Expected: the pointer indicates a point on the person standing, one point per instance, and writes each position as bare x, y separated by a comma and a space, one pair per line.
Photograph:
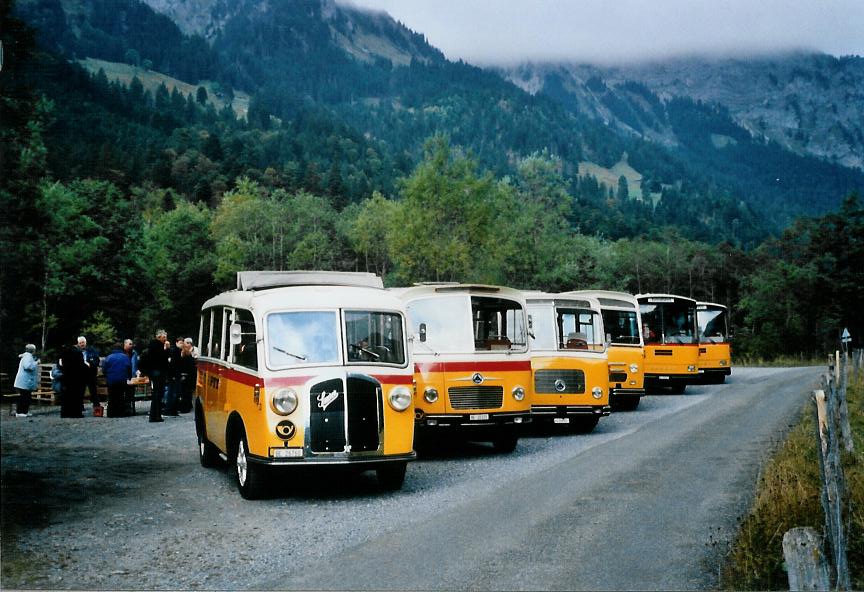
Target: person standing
91, 361
129, 350
188, 375
75, 374
155, 366
174, 380
117, 368
27, 379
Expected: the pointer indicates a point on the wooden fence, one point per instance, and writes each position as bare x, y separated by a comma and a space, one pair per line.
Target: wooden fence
802, 547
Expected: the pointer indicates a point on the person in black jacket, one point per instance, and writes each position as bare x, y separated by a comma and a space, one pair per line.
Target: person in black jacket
188, 376
75, 376
174, 385
155, 366
91, 362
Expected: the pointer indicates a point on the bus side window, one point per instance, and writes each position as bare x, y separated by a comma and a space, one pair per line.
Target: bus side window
246, 352
216, 336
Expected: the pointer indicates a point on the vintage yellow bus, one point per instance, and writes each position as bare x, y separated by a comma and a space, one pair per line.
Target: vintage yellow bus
568, 360
623, 326
472, 367
305, 368
715, 355
671, 344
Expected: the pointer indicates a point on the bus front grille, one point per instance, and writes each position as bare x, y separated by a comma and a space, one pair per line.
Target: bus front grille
476, 397
550, 382
343, 420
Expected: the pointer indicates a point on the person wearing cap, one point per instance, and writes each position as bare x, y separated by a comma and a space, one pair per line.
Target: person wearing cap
27, 379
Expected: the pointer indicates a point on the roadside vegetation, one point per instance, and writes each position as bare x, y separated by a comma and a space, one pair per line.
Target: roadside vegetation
788, 496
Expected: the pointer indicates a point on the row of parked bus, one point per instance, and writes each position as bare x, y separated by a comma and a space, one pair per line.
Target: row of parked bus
301, 368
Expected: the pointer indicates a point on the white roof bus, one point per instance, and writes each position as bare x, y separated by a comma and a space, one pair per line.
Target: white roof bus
715, 352
623, 326
568, 360
305, 368
671, 343
472, 366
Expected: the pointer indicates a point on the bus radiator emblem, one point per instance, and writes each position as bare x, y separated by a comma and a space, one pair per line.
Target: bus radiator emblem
325, 399
560, 385
477, 378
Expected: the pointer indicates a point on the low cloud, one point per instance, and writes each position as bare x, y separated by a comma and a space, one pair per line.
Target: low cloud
511, 31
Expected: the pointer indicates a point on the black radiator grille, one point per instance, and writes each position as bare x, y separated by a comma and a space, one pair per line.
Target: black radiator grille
617, 377
327, 416
571, 382
476, 397
329, 430
364, 411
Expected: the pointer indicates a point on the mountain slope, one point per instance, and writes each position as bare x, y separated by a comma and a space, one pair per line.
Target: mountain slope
809, 104
349, 79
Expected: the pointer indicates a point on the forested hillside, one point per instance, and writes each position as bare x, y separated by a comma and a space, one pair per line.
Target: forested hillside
124, 209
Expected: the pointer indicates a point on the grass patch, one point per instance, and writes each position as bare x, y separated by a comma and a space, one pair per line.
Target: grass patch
788, 496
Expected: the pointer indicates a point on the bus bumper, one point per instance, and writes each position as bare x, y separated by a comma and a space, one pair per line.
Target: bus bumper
563, 413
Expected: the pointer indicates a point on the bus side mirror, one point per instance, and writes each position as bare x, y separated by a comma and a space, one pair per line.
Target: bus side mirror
423, 332
236, 333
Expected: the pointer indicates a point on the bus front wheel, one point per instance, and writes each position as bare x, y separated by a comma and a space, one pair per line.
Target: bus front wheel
249, 476
391, 476
505, 443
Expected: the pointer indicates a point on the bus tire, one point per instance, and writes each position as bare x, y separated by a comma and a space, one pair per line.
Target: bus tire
584, 425
250, 477
208, 455
391, 476
678, 388
505, 443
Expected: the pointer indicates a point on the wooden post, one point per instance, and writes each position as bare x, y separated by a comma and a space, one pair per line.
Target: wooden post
805, 563
832, 482
842, 405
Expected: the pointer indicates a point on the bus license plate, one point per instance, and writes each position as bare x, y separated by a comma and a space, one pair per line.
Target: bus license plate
663, 377
561, 420
479, 416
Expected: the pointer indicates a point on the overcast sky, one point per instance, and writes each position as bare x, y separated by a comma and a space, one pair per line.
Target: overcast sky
508, 31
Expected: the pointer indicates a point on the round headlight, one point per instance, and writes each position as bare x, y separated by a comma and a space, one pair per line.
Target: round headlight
400, 398
430, 394
597, 392
691, 368
518, 393
634, 368
285, 401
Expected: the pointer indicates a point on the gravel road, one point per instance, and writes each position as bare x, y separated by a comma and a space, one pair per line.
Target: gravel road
649, 500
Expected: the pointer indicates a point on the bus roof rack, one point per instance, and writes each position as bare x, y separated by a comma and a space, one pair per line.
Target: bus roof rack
264, 280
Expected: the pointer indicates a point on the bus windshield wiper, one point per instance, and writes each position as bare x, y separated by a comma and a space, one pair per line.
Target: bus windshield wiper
287, 353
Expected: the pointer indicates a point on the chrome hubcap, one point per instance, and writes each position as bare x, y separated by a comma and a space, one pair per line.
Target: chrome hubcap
242, 466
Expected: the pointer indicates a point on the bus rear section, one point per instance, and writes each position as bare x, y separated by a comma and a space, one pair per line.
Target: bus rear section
715, 351
671, 344
472, 368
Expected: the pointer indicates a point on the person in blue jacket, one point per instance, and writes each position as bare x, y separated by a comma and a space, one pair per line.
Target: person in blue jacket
26, 380
117, 368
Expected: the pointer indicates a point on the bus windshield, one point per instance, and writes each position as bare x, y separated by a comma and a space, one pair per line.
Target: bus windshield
457, 323
578, 328
712, 325
302, 337
374, 338
668, 322
621, 326
499, 324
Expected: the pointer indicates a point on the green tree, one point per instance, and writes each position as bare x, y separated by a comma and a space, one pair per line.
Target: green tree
447, 220
178, 249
